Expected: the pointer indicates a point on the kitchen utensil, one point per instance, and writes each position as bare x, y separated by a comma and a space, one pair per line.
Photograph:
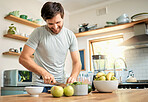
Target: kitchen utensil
30, 19
34, 91
99, 63
110, 23
92, 27
39, 21
57, 83
16, 50
21, 49
11, 49
106, 86
139, 16
83, 27
122, 19
60, 84
23, 16
131, 77
80, 89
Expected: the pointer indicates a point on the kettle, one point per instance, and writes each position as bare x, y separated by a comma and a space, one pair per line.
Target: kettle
123, 19
130, 77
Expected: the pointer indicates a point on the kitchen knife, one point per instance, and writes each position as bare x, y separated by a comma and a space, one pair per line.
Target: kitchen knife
57, 83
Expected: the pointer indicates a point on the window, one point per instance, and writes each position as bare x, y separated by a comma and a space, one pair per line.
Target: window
109, 48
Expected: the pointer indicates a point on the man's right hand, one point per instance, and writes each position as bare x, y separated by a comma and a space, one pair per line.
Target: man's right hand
49, 79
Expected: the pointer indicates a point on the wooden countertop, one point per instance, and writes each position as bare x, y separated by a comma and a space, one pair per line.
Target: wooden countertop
121, 95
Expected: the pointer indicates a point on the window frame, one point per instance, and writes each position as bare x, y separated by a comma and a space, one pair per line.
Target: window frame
99, 40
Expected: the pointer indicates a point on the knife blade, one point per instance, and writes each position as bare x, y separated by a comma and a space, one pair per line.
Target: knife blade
57, 83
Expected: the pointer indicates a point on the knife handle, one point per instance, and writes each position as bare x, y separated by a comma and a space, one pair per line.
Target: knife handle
57, 83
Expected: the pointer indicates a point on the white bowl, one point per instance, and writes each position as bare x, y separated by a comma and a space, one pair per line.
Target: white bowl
80, 89
106, 86
34, 91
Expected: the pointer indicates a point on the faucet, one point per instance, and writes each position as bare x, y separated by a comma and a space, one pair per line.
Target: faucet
125, 69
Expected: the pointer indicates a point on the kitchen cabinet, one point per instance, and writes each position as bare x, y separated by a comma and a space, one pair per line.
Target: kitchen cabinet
127, 95
18, 37
12, 91
111, 28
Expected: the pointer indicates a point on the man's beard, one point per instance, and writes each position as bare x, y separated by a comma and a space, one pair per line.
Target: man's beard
56, 31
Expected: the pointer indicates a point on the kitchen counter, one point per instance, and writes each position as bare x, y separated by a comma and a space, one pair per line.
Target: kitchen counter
121, 95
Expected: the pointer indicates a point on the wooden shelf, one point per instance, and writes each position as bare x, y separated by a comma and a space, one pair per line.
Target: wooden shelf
109, 29
22, 21
14, 36
11, 53
14, 54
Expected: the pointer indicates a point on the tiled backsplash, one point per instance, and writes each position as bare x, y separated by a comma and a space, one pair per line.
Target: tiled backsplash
137, 60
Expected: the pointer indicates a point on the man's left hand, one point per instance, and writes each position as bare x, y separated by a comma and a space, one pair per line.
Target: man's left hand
71, 80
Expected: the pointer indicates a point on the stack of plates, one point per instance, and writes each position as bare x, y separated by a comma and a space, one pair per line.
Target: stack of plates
139, 16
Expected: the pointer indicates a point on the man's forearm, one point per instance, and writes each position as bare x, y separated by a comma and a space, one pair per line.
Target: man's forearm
76, 69
28, 63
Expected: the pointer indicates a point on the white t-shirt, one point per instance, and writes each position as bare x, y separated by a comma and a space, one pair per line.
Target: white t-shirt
51, 50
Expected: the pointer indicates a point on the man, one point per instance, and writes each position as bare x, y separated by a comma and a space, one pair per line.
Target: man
49, 44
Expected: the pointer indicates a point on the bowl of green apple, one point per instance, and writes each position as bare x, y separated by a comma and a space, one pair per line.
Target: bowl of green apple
105, 82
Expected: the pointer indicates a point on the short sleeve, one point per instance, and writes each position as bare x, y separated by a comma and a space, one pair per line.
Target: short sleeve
33, 39
74, 43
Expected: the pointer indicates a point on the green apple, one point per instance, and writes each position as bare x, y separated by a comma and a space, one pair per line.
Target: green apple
68, 91
113, 78
103, 78
99, 74
89, 88
57, 91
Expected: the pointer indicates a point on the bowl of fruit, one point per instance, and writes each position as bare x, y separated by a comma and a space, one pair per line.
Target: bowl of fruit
105, 82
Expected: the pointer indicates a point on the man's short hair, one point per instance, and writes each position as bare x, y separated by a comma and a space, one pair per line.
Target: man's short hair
51, 9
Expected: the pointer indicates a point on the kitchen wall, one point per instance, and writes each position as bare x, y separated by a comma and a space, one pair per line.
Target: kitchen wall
137, 61
135, 57
32, 9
